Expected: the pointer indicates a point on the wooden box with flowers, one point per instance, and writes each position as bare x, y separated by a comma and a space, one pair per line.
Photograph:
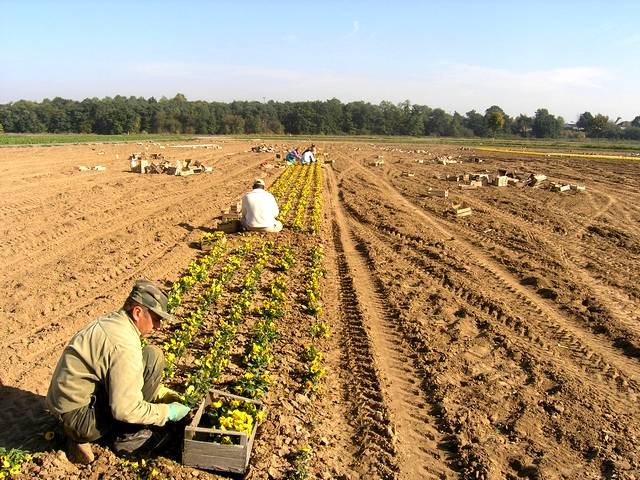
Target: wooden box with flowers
221, 434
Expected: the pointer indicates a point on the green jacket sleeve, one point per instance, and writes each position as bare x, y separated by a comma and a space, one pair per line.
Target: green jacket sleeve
124, 385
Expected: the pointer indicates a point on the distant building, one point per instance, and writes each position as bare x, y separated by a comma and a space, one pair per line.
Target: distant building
571, 126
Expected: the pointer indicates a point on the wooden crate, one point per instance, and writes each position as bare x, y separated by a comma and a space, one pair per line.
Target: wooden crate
207, 244
230, 226
200, 451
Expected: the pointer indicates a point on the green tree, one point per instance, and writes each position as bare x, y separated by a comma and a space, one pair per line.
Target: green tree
495, 119
332, 113
475, 122
545, 125
437, 123
388, 118
585, 122
1, 129
414, 120
6, 118
631, 133
25, 118
274, 126
456, 127
232, 124
522, 125
612, 131
598, 125
495, 122
178, 115
357, 118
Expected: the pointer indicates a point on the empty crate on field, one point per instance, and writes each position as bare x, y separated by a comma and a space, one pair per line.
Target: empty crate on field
156, 163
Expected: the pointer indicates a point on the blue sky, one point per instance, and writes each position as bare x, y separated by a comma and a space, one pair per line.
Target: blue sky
566, 56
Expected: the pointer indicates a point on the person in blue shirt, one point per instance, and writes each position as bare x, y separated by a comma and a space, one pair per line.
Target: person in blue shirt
293, 156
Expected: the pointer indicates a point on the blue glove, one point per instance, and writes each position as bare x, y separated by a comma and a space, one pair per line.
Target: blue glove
177, 411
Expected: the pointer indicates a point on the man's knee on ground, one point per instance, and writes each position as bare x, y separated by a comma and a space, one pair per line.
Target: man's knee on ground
154, 365
153, 358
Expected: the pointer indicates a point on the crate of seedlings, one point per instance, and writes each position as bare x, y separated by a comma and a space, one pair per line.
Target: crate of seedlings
221, 434
208, 240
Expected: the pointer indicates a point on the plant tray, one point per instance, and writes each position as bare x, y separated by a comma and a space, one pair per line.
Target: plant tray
231, 226
201, 451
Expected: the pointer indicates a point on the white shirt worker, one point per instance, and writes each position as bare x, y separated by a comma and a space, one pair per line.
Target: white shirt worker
259, 210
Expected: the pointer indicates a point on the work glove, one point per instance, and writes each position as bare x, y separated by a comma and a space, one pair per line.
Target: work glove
166, 395
177, 411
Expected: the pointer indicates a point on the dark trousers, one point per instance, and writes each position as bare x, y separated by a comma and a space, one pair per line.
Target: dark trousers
93, 421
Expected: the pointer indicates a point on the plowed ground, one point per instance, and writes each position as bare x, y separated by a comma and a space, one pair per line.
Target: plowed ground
505, 344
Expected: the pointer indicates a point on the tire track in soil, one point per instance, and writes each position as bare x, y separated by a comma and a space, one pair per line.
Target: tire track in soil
416, 409
547, 313
587, 359
419, 444
588, 349
374, 434
525, 341
620, 309
438, 368
334, 413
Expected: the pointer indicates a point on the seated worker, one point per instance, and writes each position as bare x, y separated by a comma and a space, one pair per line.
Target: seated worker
293, 156
309, 155
259, 210
106, 382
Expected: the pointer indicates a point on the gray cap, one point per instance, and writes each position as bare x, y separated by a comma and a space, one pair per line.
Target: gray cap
148, 294
258, 181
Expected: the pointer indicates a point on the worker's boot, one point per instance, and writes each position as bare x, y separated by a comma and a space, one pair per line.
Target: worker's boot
132, 441
79, 452
143, 440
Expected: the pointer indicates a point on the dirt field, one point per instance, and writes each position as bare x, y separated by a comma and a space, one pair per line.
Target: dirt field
504, 344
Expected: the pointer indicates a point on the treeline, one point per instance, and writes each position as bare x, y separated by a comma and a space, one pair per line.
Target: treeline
122, 115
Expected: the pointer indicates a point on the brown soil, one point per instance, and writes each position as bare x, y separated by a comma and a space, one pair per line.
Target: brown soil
505, 344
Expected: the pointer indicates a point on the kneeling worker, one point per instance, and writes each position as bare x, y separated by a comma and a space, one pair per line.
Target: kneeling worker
259, 210
106, 382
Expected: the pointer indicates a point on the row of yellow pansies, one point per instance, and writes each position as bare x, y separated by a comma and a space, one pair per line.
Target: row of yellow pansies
254, 382
311, 356
183, 335
316, 212
217, 356
301, 208
198, 270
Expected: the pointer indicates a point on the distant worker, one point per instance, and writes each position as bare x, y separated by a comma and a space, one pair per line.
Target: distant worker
309, 155
259, 210
293, 156
107, 383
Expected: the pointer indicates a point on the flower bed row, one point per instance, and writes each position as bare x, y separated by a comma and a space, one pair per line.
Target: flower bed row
216, 358
316, 212
299, 188
301, 208
183, 335
294, 195
282, 184
198, 271
257, 357
311, 356
11, 461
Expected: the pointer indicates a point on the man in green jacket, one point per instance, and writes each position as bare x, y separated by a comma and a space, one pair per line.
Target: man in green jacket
106, 382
